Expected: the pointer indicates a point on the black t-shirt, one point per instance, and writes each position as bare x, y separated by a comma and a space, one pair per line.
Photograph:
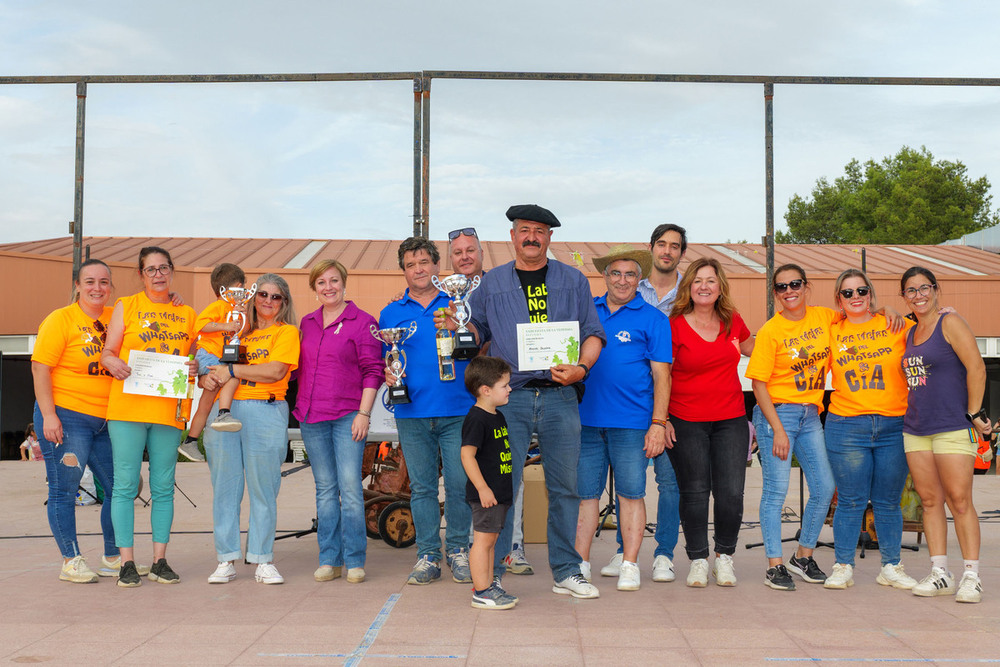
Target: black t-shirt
488, 434
536, 292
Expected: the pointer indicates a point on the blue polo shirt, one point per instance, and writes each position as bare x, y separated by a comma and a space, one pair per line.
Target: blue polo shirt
429, 396
620, 387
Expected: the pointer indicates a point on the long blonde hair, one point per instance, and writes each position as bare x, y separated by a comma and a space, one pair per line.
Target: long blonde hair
724, 306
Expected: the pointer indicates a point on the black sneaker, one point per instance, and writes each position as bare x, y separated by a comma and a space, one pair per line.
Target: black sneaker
778, 578
807, 569
128, 576
162, 573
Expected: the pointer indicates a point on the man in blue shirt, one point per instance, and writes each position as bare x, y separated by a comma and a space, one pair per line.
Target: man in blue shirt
430, 426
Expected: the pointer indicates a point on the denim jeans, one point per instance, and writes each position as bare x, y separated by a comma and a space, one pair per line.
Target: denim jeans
85, 437
619, 448
553, 413
710, 458
335, 458
868, 462
429, 444
668, 518
252, 456
805, 435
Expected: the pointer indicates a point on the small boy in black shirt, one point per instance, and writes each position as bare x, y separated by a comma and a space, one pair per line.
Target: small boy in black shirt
487, 461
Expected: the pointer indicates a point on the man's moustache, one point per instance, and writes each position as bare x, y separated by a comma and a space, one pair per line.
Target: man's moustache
531, 243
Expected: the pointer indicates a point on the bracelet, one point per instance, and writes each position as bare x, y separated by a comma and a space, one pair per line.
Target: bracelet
659, 422
231, 373
366, 413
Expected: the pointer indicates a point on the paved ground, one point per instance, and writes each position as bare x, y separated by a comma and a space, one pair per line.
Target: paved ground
384, 622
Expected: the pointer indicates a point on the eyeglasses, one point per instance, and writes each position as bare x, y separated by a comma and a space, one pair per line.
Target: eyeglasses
923, 290
467, 231
848, 293
796, 285
629, 275
163, 269
273, 297
102, 330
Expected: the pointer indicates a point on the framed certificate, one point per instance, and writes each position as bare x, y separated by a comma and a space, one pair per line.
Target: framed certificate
155, 374
545, 344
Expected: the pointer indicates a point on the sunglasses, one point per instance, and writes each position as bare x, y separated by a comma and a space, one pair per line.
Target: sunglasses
273, 297
467, 231
796, 285
848, 293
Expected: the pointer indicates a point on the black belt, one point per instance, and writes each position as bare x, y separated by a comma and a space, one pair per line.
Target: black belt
541, 384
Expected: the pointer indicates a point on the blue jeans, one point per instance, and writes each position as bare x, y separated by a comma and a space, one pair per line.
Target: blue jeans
622, 449
335, 458
553, 413
252, 455
429, 444
805, 435
868, 461
85, 437
668, 509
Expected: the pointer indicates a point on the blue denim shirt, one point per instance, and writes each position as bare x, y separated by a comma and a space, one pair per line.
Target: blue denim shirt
499, 305
648, 293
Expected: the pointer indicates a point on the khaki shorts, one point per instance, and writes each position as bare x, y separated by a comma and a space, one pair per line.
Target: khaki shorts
949, 442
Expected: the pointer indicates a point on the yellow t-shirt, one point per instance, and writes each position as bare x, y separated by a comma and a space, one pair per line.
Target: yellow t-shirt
151, 327
793, 357
70, 342
217, 312
278, 342
867, 369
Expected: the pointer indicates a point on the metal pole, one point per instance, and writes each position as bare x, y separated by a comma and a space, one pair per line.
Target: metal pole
425, 174
769, 190
81, 111
417, 163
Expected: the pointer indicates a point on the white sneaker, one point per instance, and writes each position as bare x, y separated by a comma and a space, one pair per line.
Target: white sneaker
267, 573
970, 588
938, 582
612, 569
698, 576
223, 574
628, 577
110, 566
585, 569
576, 586
76, 570
663, 569
895, 576
842, 577
723, 570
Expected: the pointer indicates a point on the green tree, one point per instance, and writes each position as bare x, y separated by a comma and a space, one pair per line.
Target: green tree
906, 198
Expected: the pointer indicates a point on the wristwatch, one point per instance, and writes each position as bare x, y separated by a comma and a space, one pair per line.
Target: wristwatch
972, 416
586, 370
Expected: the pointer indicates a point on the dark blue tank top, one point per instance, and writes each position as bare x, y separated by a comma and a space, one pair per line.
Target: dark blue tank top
938, 397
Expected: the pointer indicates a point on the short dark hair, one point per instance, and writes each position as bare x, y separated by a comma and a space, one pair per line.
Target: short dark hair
670, 227
226, 275
789, 267
484, 372
415, 243
917, 271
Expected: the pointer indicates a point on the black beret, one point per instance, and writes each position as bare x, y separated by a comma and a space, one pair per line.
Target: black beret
534, 213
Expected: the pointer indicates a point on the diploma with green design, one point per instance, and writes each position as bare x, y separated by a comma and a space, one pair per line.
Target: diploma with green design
545, 344
156, 374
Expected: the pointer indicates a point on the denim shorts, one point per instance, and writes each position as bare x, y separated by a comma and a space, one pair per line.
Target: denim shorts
488, 519
622, 448
205, 359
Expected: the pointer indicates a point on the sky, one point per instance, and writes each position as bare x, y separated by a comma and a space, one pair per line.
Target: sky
335, 160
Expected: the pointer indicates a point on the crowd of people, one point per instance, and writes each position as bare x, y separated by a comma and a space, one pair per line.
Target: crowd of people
653, 379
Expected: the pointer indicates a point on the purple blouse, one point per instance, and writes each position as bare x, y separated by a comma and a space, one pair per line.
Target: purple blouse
335, 364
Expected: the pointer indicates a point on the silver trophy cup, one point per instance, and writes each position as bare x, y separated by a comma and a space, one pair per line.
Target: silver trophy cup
395, 359
237, 297
458, 288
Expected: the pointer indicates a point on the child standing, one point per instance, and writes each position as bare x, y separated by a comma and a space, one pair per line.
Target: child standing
487, 461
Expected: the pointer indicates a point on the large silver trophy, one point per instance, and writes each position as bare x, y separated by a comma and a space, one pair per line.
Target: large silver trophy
458, 288
238, 298
395, 359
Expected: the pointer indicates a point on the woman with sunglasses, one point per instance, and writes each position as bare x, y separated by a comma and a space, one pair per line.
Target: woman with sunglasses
864, 431
150, 322
254, 454
947, 379
71, 404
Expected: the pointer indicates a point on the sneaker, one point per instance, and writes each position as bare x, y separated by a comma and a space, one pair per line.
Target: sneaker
628, 578
576, 586
226, 422
585, 570
327, 572
807, 569
223, 574
841, 578
938, 582
355, 575
723, 570
424, 572
777, 577
895, 576
267, 573
128, 576
516, 563
970, 588
663, 569
698, 576
613, 569
190, 451
458, 561
496, 584
161, 572
110, 567
492, 598
75, 570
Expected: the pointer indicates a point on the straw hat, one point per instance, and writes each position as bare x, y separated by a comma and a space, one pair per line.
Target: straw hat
626, 251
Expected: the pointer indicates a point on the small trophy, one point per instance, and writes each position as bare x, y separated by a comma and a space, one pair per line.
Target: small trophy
235, 297
395, 359
458, 287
